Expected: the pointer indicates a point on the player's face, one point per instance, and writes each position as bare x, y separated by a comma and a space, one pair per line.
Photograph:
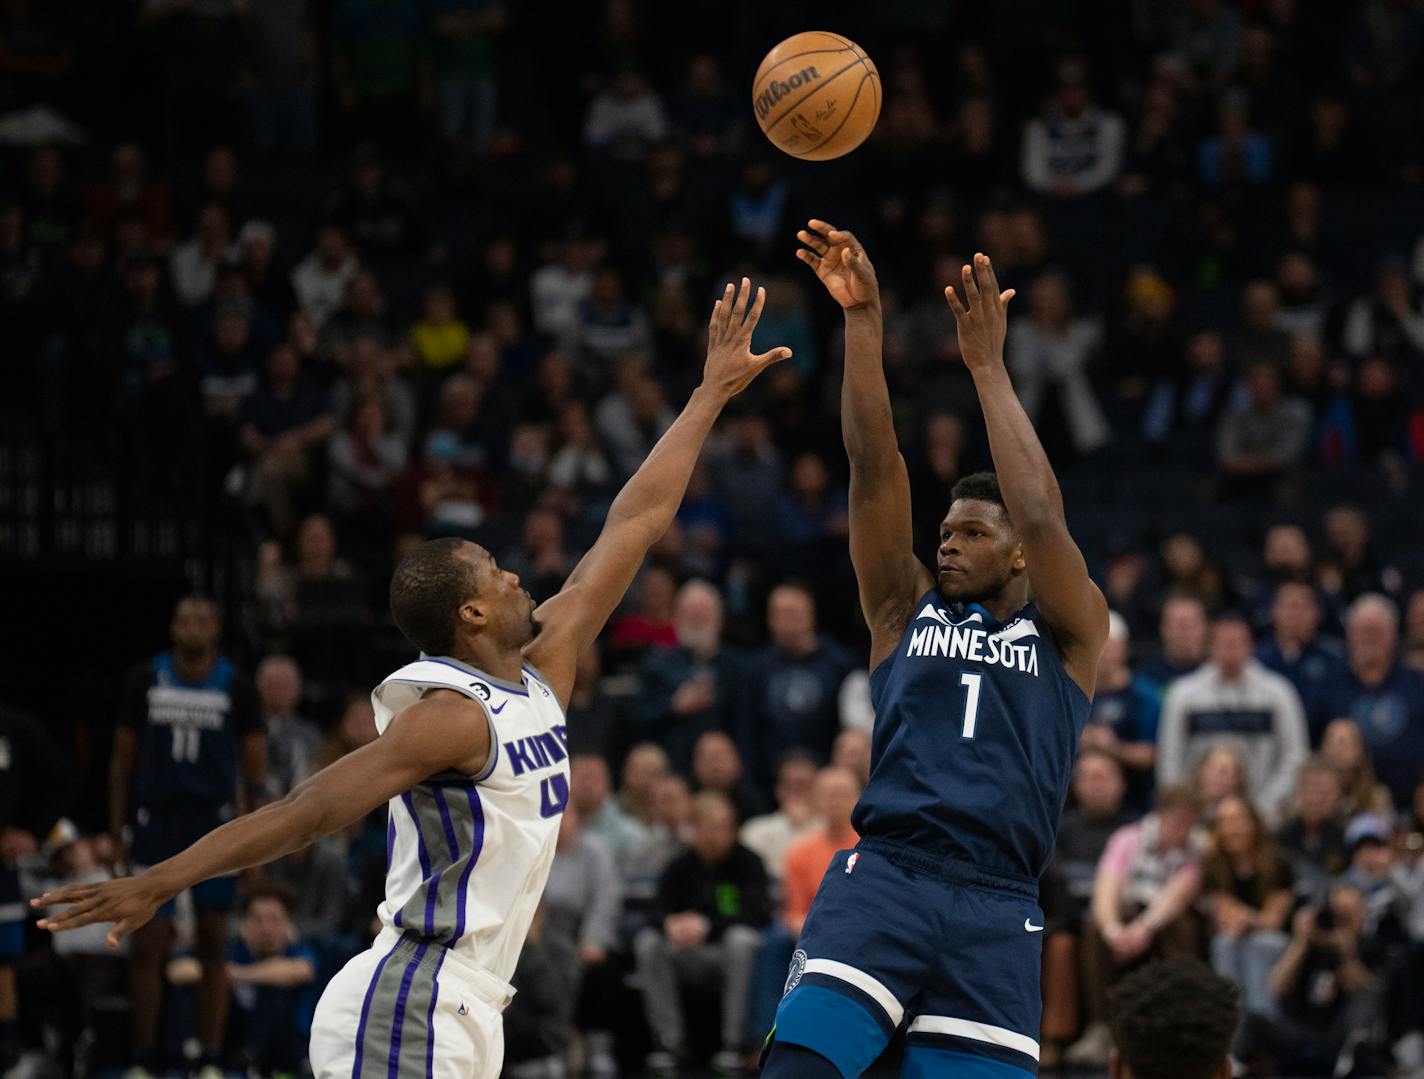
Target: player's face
979, 552
509, 606
195, 626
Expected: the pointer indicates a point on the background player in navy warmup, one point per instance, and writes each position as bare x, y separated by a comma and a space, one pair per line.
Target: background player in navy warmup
980, 697
189, 721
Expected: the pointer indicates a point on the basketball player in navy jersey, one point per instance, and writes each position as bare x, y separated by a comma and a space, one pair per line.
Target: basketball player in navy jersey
980, 697
472, 760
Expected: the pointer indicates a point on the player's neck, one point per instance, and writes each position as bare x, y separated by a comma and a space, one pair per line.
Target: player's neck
193, 666
496, 662
1005, 604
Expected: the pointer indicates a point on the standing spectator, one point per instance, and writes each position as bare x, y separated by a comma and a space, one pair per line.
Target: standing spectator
1183, 635
1235, 695
771, 834
1123, 719
320, 279
1075, 148
790, 688
688, 689
34, 782
292, 740
1248, 884
713, 901
1263, 439
1295, 647
1343, 746
1145, 885
601, 817
1314, 835
717, 767
188, 728
1384, 698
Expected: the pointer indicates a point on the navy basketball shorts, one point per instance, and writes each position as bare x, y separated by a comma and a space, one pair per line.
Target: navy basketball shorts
160, 834
13, 916
896, 936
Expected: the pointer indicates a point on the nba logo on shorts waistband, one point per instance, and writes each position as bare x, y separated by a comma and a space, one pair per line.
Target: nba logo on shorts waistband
850, 862
463, 1010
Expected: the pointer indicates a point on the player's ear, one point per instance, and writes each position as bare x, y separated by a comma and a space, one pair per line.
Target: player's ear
1019, 563
473, 614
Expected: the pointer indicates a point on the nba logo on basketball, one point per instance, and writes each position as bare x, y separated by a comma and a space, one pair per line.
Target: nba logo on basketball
850, 862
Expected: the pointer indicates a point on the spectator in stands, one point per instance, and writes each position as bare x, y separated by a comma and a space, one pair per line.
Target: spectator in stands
292, 740
228, 363
1185, 407
1343, 746
691, 688
650, 623
717, 766
539, 1020
1235, 695
1412, 649
189, 753
1096, 812
320, 279
542, 561
1123, 719
747, 476
375, 209
1145, 885
601, 817
643, 768
608, 325
714, 901
789, 691
634, 416
582, 471
852, 752
1384, 698
769, 835
668, 834
1349, 566
282, 424
1389, 323
558, 288
625, 117
1183, 635
1076, 147
439, 339
366, 459
1295, 648
194, 263
1248, 886
1263, 439
1221, 774
1314, 835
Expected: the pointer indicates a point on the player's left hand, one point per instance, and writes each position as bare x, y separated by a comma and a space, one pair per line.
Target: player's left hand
731, 366
129, 903
981, 314
840, 262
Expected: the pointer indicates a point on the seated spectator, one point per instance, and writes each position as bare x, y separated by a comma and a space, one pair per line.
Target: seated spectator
320, 279
770, 835
1185, 407
194, 263
441, 495
367, 458
747, 479
374, 207
1075, 148
691, 688
625, 117
557, 288
1123, 720
362, 314
669, 832
600, 815
1234, 695
1262, 439
582, 472
852, 752
1173, 1020
1221, 774
632, 418
1327, 998
355, 728
1413, 647
315, 880
1146, 883
539, 1020
644, 766
714, 902
228, 361
439, 339
810, 510
317, 567
1384, 698
1096, 813
1389, 323
592, 712
541, 562
608, 325
268, 282
649, 624
1183, 633
371, 370
281, 424
1343, 747
1314, 835
292, 740
789, 692
271, 974
1248, 887
718, 767
1295, 647
1286, 556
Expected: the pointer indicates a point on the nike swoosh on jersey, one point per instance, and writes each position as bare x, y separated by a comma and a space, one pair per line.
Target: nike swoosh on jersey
500, 709
1029, 927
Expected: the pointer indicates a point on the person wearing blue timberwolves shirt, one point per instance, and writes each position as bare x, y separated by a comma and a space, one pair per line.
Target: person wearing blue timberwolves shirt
980, 697
1295, 647
190, 753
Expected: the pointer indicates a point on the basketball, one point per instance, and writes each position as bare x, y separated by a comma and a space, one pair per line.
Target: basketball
816, 95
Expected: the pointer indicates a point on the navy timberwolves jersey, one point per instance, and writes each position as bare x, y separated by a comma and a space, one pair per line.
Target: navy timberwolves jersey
187, 733
976, 729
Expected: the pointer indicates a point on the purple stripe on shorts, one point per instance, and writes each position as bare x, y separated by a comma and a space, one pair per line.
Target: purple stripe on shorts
430, 1017
399, 1020
366, 1011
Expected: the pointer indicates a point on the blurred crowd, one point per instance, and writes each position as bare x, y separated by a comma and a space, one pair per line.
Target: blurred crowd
311, 280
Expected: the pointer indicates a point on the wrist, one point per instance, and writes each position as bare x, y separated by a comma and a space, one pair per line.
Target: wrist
870, 308
708, 395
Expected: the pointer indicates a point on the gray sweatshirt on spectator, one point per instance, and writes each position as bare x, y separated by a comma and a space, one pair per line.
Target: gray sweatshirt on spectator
584, 895
1261, 712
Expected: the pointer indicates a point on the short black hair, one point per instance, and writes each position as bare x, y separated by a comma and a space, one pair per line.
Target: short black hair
1175, 1019
276, 892
979, 487
426, 592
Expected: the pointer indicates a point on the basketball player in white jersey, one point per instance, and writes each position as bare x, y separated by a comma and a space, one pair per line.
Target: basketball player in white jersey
473, 762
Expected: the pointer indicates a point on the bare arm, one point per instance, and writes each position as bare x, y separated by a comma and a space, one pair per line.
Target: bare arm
1071, 603
280, 972
891, 578
1107, 902
443, 730
120, 780
648, 502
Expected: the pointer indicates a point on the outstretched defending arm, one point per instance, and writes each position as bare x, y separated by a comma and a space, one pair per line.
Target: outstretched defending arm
645, 507
1071, 603
891, 578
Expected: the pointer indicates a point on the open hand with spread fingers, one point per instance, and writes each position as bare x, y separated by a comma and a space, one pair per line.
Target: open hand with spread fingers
840, 262
730, 364
128, 902
981, 314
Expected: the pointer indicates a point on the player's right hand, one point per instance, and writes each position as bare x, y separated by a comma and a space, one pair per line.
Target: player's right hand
129, 903
731, 365
840, 262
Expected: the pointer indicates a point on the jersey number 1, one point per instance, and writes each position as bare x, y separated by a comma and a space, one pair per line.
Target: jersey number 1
971, 682
186, 741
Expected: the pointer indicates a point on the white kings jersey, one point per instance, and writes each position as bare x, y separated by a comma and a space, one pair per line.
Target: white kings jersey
467, 856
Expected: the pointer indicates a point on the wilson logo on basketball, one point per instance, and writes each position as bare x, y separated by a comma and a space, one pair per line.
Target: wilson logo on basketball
779, 88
